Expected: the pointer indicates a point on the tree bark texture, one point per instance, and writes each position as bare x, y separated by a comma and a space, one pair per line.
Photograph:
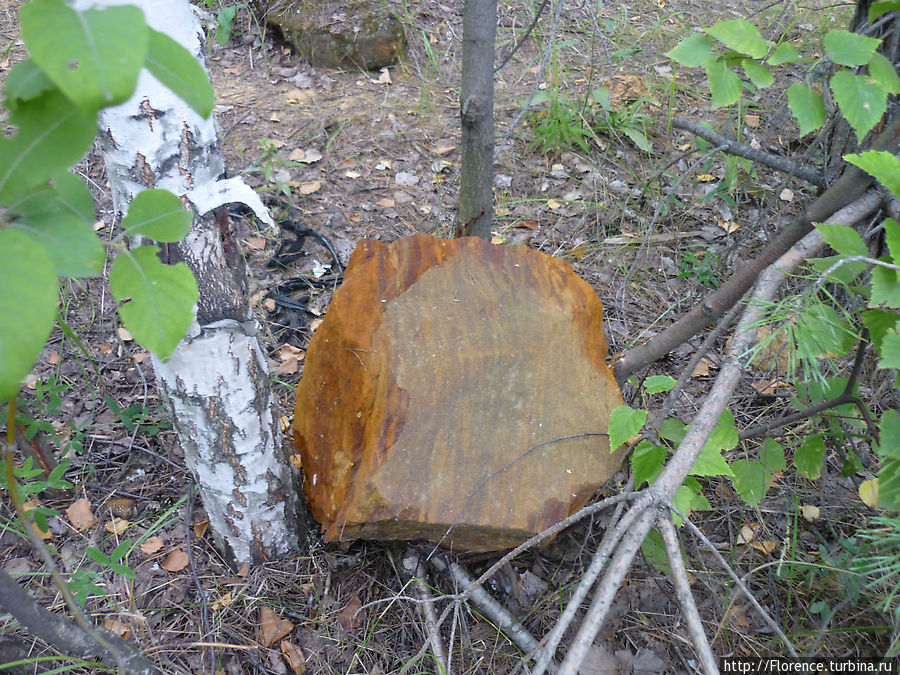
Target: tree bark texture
64, 634
216, 384
475, 208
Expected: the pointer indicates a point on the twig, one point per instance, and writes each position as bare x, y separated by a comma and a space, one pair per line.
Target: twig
733, 147
738, 582
412, 563
521, 40
684, 595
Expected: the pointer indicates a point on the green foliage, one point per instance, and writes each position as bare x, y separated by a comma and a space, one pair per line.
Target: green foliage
81, 62
112, 561
624, 423
561, 125
139, 419
701, 266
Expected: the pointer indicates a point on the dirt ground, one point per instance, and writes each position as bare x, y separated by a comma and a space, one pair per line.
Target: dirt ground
374, 155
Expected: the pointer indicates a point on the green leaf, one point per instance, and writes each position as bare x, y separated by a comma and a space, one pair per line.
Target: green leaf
878, 322
689, 498
843, 239
889, 435
157, 214
741, 36
656, 384
177, 69
694, 51
673, 430
225, 23
862, 101
27, 305
844, 274
94, 56
784, 53
751, 480
884, 166
64, 193
97, 556
724, 84
25, 82
885, 288
52, 136
624, 423
890, 349
892, 238
809, 458
122, 570
821, 332
162, 297
876, 9
808, 107
724, 437
758, 74
849, 49
646, 463
771, 455
120, 550
638, 138
654, 551
885, 75
71, 242
602, 96
889, 485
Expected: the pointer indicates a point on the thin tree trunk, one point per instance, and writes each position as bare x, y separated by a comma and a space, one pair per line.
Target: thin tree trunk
216, 384
475, 209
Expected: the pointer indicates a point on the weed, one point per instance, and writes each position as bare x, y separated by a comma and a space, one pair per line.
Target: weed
271, 165
702, 267
560, 125
140, 419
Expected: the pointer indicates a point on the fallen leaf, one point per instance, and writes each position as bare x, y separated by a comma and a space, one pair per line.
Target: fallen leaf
118, 627
30, 505
445, 149
810, 512
296, 461
310, 156
386, 202
769, 387
80, 515
141, 357
223, 601
868, 492
553, 204
352, 616
406, 179
269, 304
289, 366
706, 178
272, 627
243, 570
123, 507
702, 368
496, 239
352, 174
200, 528
285, 423
117, 525
786, 195
152, 545
124, 334
310, 187
527, 224
730, 226
287, 351
294, 657
766, 546
746, 535
751, 120
105, 348
53, 358
315, 323
297, 155
256, 243
384, 78
176, 561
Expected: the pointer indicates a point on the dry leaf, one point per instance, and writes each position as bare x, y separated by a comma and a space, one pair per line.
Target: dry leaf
810, 512
118, 627
751, 120
702, 368
776, 354
117, 525
496, 239
289, 366
297, 155
766, 546
243, 570
706, 178
769, 387
730, 226
105, 348
527, 224
271, 627
315, 323
309, 156
294, 657
296, 461
80, 515
123, 507
269, 304
285, 423
200, 528
352, 616
287, 351
445, 149
384, 78
141, 357
223, 601
256, 243
868, 492
384, 165
152, 545
175, 561
385, 202
352, 174
124, 334
310, 187
30, 505
747, 535
53, 358
553, 204
786, 195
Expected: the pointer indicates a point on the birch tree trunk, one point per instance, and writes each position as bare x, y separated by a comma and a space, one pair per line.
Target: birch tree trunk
216, 384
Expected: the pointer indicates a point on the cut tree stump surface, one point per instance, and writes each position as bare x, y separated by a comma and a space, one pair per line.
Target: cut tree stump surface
436, 387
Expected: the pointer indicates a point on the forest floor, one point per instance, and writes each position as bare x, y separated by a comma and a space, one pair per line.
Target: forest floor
374, 155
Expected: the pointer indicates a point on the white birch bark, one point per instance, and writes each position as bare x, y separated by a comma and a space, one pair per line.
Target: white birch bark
216, 384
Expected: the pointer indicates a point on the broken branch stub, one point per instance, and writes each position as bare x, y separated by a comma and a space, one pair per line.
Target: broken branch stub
455, 384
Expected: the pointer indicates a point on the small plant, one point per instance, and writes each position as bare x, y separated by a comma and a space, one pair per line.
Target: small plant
139, 418
627, 120
272, 166
702, 267
561, 125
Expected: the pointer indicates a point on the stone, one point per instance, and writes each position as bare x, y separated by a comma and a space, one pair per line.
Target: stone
353, 34
457, 391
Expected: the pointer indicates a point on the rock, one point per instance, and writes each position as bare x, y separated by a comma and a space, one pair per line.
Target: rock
355, 34
449, 387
